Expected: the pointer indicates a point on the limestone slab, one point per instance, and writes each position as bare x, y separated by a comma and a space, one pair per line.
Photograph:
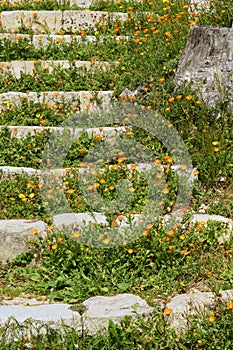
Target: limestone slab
101, 309
21, 131
29, 67
74, 21
79, 219
38, 21
79, 99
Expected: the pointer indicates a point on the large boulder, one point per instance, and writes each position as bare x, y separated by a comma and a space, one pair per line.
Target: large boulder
207, 63
14, 235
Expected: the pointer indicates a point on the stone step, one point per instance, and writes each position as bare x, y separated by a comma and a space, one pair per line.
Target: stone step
82, 99
21, 131
29, 67
55, 21
140, 167
14, 233
78, 3
92, 315
44, 40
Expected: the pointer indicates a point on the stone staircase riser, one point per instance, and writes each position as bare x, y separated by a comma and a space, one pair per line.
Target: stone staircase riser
29, 67
54, 21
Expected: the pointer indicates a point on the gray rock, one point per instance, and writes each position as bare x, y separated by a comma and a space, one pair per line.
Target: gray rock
15, 233
183, 306
207, 62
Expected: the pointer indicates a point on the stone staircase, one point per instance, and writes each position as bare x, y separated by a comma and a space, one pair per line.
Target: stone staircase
45, 27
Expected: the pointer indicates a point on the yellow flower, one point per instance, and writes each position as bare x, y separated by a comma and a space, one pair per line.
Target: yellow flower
121, 160
35, 232
106, 241
168, 34
130, 251
215, 143
211, 318
132, 189
76, 235
230, 305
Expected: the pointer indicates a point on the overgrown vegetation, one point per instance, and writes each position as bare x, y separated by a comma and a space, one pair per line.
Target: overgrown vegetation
159, 262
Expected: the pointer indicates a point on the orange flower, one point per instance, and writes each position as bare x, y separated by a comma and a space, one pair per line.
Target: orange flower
171, 233
171, 99
149, 226
161, 80
145, 233
189, 97
168, 311
230, 305
120, 218
165, 190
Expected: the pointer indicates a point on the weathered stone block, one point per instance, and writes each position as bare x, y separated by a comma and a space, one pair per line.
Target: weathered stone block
207, 62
